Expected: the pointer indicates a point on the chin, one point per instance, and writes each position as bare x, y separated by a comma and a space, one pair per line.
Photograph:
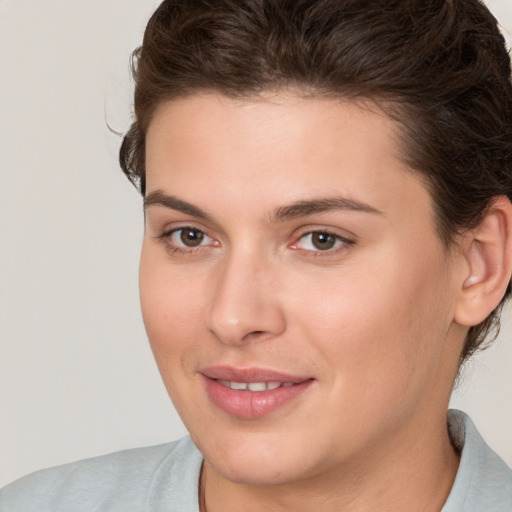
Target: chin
256, 473
256, 458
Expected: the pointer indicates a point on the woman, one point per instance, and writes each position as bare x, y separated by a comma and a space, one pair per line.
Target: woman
328, 237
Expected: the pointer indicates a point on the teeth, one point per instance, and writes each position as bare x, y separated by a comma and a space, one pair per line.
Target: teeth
257, 386
254, 386
239, 385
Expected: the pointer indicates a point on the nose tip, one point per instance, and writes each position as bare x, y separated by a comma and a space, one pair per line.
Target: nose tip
243, 307
233, 331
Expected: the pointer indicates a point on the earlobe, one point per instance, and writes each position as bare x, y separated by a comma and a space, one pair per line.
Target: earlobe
488, 254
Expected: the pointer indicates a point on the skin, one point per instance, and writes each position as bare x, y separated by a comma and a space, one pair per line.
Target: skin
371, 320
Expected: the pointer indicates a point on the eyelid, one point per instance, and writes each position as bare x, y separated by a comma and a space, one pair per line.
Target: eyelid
166, 235
158, 218
343, 240
346, 240
171, 227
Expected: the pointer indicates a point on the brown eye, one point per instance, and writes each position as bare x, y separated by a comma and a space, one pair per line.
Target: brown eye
191, 237
323, 241
187, 240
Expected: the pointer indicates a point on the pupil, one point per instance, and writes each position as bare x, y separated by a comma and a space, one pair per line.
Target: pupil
323, 241
191, 237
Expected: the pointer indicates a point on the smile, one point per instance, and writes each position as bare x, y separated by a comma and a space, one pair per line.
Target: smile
253, 393
254, 386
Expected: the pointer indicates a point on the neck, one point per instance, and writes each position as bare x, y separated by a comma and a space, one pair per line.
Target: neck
409, 472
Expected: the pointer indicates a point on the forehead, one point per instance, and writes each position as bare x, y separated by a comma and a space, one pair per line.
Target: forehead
280, 147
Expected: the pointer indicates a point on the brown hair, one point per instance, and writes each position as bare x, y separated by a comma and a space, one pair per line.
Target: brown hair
439, 67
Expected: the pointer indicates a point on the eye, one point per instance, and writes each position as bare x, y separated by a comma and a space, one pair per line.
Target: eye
186, 238
320, 241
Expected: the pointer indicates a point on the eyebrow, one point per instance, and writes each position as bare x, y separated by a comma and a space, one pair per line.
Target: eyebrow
280, 214
310, 207
159, 198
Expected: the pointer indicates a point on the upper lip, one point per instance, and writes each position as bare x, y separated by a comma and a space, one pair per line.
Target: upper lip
252, 374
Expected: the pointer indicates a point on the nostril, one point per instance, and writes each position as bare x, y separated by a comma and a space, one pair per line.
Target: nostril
254, 334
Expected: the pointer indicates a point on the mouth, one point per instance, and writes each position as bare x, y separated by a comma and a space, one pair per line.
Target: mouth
255, 386
252, 393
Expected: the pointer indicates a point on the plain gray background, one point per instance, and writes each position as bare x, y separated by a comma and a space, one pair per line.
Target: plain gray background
77, 377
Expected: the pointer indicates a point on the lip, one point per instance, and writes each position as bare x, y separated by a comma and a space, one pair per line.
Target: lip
251, 404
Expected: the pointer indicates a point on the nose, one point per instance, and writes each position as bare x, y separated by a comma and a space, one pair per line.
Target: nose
244, 304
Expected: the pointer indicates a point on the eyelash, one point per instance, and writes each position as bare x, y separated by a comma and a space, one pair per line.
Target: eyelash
341, 242
166, 239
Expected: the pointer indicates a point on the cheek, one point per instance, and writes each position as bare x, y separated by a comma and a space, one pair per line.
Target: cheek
172, 306
384, 324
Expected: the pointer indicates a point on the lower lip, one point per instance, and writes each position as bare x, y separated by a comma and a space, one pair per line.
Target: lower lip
252, 404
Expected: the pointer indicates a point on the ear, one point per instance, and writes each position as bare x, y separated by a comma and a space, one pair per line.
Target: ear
488, 253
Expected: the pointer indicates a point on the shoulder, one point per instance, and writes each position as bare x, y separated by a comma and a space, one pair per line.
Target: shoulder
483, 481
124, 481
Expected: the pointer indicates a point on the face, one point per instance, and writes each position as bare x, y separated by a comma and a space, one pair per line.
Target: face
297, 299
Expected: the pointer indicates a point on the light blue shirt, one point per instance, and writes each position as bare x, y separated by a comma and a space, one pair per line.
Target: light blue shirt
165, 478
